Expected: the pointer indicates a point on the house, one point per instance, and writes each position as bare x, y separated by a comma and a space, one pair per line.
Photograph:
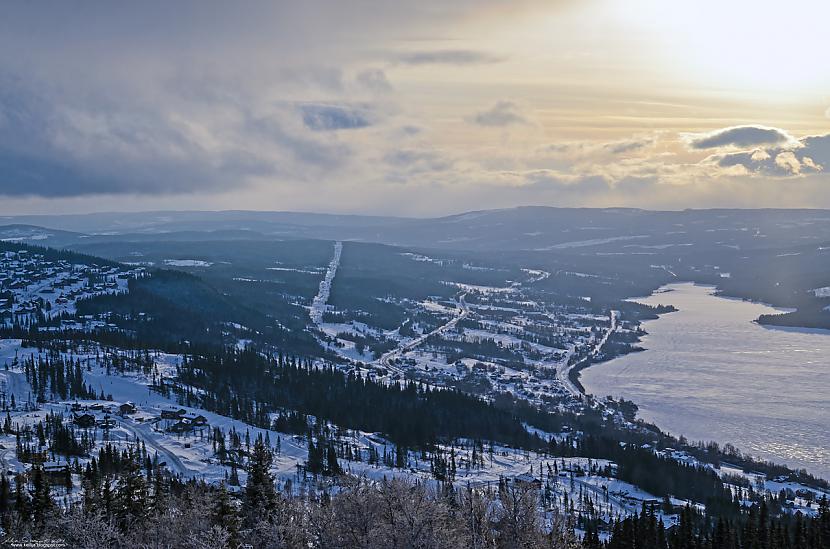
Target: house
197, 420
526, 479
180, 427
126, 408
56, 470
188, 421
84, 420
172, 412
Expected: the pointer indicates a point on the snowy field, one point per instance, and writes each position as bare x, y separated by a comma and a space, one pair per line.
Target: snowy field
191, 454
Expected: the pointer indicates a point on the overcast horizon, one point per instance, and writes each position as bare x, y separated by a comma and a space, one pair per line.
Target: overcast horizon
418, 110
8, 217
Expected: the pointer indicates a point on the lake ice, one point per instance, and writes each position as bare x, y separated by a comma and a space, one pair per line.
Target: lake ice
710, 373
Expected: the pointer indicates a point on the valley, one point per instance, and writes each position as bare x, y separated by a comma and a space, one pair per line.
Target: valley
367, 360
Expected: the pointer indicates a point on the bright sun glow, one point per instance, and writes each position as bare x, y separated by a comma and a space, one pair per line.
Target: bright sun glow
754, 45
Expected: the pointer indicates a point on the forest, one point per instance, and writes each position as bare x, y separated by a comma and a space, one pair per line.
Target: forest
128, 501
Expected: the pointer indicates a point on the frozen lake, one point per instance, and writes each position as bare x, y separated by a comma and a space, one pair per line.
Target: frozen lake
710, 373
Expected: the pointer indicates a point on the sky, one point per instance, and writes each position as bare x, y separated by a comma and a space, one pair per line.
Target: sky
413, 108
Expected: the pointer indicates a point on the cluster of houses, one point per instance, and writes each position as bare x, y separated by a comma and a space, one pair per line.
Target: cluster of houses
95, 415
180, 420
31, 284
171, 418
100, 415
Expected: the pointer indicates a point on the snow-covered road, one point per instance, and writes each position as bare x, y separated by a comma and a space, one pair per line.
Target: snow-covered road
387, 359
563, 375
318, 305
174, 462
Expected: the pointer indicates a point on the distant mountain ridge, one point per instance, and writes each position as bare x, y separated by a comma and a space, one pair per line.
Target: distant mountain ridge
528, 228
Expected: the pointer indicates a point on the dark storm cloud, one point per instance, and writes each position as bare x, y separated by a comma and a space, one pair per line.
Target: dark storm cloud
739, 136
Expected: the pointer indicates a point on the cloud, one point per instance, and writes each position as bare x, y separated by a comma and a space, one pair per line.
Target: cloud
587, 148
817, 148
552, 180
58, 145
144, 101
334, 117
374, 80
738, 136
304, 151
808, 155
629, 145
195, 136
409, 162
275, 106
503, 113
447, 57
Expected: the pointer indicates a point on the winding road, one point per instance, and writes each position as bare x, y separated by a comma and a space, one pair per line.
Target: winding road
387, 359
563, 374
173, 461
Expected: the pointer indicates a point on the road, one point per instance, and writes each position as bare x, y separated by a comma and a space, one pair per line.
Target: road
669, 271
318, 305
4, 462
387, 359
563, 374
145, 432
618, 501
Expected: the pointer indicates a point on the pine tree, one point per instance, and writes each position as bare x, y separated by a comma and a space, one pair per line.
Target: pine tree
4, 495
107, 497
260, 494
22, 503
42, 502
90, 498
401, 454
67, 479
225, 515
314, 461
332, 465
160, 489
131, 494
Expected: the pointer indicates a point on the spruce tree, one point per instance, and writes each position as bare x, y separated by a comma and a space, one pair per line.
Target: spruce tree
107, 497
332, 465
42, 502
260, 494
131, 494
22, 503
225, 515
160, 489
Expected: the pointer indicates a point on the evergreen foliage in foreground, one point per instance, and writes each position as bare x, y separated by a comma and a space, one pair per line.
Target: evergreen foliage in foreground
129, 504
